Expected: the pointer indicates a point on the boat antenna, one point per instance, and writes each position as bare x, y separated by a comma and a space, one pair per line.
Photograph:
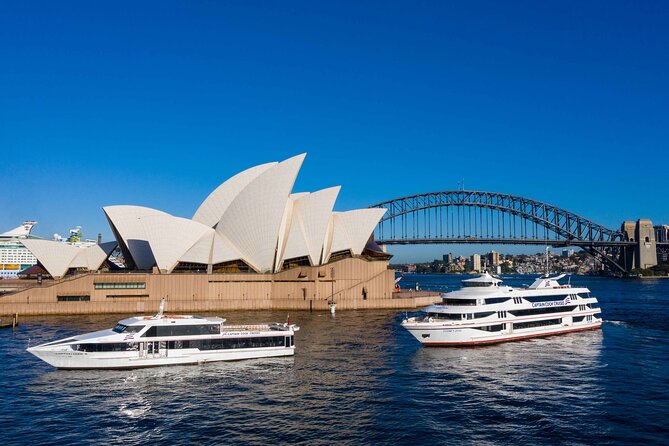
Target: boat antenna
161, 308
547, 251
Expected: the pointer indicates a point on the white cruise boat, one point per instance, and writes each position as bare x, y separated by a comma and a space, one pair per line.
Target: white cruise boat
147, 341
485, 311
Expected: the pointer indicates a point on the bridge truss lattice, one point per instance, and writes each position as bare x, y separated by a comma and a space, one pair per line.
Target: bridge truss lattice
495, 218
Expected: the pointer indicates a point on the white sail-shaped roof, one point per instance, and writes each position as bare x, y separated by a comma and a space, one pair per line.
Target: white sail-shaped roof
310, 217
286, 225
253, 221
214, 206
211, 249
56, 257
126, 224
351, 229
284, 230
171, 237
200, 252
224, 250
92, 257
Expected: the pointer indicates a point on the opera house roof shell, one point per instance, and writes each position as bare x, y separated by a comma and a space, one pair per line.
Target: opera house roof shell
253, 219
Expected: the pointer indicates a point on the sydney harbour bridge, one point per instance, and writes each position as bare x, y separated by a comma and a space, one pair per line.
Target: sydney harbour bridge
463, 217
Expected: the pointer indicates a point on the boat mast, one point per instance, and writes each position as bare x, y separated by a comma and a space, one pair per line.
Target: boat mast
161, 309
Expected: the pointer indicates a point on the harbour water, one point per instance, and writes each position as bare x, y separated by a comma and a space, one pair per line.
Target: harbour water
359, 378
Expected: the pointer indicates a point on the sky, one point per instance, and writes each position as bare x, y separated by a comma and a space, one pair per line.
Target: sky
157, 103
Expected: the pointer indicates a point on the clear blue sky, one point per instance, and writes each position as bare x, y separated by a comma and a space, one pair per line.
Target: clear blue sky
157, 103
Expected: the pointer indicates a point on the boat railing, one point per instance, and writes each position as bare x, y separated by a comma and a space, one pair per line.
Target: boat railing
252, 327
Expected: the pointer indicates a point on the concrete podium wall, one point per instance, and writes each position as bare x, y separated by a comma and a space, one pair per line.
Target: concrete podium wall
356, 283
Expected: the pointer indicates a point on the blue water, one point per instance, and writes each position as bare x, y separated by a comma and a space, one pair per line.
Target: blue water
359, 378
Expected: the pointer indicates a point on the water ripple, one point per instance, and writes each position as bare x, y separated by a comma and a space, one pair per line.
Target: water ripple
361, 379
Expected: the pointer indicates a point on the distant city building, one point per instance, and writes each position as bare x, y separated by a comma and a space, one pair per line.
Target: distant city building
448, 258
475, 260
493, 258
455, 268
567, 252
411, 268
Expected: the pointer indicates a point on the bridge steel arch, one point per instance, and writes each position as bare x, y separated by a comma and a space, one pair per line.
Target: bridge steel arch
460, 216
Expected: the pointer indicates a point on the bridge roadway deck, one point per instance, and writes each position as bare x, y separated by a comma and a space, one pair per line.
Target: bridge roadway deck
506, 241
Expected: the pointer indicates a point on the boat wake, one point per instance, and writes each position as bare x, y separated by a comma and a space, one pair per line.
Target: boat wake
619, 323
133, 413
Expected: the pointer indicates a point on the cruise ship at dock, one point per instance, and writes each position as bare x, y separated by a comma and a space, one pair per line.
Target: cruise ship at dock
485, 311
14, 256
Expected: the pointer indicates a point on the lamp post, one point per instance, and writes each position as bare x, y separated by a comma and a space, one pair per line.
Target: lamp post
332, 304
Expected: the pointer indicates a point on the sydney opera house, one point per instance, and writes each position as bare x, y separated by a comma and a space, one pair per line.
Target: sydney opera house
253, 243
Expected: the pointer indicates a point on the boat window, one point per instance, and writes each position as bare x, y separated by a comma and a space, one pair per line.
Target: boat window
120, 328
182, 330
229, 343
496, 300
459, 302
455, 317
476, 284
543, 310
521, 325
483, 314
105, 347
496, 327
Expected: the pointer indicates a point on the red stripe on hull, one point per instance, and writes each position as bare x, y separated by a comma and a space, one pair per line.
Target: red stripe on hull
513, 338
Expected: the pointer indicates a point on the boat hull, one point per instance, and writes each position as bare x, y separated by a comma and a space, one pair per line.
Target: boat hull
465, 337
65, 358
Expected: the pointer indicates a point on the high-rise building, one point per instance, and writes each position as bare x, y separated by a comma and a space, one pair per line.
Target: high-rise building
493, 258
475, 260
567, 252
448, 258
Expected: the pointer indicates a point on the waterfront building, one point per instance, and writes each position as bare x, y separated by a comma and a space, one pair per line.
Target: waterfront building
448, 258
252, 243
